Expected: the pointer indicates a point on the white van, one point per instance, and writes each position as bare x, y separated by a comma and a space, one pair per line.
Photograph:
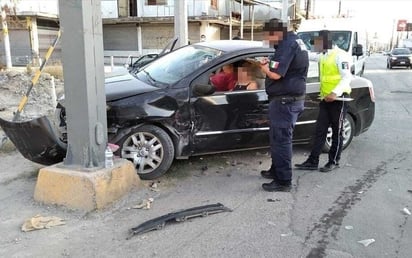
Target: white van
345, 33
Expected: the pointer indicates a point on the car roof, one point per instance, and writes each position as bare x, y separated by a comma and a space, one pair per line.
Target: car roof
231, 45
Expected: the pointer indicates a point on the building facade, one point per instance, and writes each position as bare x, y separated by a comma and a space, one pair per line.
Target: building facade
136, 27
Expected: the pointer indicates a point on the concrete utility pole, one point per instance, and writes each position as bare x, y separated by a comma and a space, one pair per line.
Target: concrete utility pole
6, 38
82, 181
85, 98
181, 26
285, 8
34, 40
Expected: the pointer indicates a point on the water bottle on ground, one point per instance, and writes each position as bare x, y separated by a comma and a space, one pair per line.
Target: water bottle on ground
108, 158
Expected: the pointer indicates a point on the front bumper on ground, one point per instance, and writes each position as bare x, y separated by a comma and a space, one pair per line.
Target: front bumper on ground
35, 140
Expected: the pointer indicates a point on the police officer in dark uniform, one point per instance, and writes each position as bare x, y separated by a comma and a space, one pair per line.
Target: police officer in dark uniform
286, 73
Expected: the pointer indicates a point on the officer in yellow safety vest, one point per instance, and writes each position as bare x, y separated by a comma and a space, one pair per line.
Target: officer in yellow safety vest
335, 77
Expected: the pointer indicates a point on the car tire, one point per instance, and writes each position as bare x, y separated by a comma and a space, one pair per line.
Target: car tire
150, 149
348, 133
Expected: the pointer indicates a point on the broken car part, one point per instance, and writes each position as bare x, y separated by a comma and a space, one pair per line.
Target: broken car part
183, 215
36, 77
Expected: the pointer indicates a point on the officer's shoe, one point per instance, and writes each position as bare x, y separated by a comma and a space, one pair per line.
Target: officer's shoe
275, 186
268, 174
329, 167
309, 164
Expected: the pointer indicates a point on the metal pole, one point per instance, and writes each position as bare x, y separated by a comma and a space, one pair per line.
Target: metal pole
241, 19
253, 22
181, 26
339, 8
36, 78
230, 19
393, 29
285, 7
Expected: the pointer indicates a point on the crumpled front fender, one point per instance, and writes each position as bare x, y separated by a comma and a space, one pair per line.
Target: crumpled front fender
35, 140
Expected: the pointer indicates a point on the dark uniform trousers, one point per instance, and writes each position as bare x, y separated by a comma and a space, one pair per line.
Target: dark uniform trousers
330, 114
283, 116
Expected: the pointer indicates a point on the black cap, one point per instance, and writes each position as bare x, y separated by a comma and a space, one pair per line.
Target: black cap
275, 25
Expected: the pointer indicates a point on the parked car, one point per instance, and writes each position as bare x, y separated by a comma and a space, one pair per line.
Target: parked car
399, 57
169, 110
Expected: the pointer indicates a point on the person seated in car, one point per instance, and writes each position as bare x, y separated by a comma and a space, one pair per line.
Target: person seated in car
245, 79
224, 80
341, 42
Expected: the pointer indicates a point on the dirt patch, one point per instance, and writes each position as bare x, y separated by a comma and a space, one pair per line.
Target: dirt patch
14, 85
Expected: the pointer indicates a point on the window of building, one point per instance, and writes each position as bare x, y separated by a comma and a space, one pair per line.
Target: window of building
156, 2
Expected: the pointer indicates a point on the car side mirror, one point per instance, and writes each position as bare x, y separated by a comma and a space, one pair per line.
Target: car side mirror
203, 89
358, 50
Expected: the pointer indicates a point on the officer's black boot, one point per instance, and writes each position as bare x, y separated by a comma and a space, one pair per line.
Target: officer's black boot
268, 174
309, 164
276, 186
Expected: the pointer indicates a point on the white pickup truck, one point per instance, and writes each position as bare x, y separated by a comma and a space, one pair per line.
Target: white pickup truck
345, 32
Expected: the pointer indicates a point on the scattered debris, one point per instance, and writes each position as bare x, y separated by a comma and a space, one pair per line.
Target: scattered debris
183, 215
271, 223
203, 169
366, 242
406, 211
286, 235
273, 200
40, 222
348, 227
145, 204
410, 191
153, 187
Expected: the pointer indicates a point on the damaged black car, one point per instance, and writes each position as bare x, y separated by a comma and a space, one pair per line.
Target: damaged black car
170, 109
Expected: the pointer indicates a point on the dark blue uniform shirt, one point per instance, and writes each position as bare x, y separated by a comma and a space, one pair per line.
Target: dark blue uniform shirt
291, 61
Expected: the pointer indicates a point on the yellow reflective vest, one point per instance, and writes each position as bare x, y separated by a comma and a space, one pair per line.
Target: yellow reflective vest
329, 73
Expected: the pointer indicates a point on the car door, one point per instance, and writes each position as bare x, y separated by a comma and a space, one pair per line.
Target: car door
229, 120
235, 120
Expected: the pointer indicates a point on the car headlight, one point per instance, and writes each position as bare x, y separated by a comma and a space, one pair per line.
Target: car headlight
393, 58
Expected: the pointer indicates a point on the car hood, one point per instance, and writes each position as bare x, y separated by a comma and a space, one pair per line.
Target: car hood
123, 85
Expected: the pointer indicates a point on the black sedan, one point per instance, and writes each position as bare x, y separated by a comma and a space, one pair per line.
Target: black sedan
169, 109
399, 57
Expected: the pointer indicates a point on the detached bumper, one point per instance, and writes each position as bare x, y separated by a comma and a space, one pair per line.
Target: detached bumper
35, 140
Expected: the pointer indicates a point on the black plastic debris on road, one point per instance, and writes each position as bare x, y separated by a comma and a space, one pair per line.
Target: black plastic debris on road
179, 216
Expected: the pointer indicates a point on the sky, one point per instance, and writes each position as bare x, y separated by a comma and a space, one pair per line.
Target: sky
380, 16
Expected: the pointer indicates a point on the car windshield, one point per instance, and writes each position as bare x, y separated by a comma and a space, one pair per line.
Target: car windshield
401, 51
176, 65
341, 38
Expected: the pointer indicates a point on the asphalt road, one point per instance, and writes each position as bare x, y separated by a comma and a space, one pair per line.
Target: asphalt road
324, 216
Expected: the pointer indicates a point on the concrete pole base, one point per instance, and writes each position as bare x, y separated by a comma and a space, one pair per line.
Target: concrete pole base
85, 190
